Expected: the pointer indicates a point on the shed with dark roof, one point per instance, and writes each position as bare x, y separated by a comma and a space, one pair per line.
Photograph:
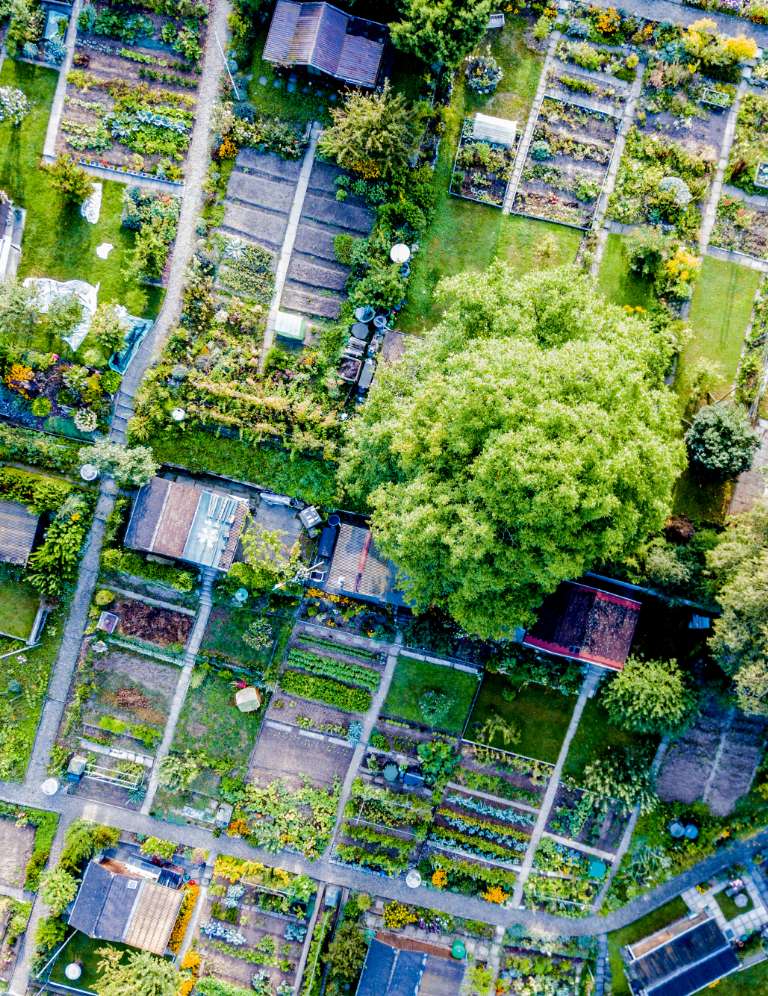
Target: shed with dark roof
119, 904
680, 959
358, 570
586, 624
18, 528
327, 40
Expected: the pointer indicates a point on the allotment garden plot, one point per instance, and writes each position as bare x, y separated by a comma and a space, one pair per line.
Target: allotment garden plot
571, 148
485, 160
742, 211
131, 96
254, 923
672, 148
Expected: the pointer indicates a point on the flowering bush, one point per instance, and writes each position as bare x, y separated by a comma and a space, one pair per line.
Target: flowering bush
397, 915
483, 73
14, 105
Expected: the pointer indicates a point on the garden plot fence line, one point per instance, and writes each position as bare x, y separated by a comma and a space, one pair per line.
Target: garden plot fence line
736, 256
443, 662
510, 753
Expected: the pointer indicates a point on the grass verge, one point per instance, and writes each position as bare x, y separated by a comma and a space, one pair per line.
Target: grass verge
18, 607
664, 915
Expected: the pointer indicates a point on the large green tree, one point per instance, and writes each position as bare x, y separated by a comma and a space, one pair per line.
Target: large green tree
527, 438
137, 972
649, 697
739, 564
441, 31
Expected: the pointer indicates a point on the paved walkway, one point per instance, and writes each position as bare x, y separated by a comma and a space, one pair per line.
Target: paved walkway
190, 655
710, 211
69, 651
525, 141
588, 687
289, 240
57, 107
198, 158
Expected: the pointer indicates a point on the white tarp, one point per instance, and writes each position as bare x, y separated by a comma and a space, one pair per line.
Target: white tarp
502, 131
51, 290
90, 209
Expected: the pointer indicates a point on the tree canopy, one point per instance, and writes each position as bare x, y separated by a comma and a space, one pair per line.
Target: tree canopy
527, 438
649, 697
441, 31
135, 972
720, 441
739, 642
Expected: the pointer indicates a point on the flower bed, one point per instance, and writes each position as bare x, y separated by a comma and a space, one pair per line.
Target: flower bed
482, 169
537, 969
741, 226
332, 667
469, 877
566, 164
500, 773
130, 98
596, 58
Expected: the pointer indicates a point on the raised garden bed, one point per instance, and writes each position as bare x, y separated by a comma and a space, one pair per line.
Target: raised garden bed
482, 169
586, 819
741, 226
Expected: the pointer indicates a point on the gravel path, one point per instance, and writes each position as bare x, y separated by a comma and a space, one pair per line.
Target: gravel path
191, 207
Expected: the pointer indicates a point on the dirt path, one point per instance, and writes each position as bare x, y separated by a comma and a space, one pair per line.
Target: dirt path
191, 206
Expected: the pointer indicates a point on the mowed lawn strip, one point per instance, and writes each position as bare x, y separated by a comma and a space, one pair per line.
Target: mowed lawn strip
18, 607
413, 677
616, 281
58, 242
595, 734
662, 917
541, 714
720, 312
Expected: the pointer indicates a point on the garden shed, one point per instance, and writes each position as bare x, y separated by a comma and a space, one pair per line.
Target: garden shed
358, 569
680, 959
185, 521
399, 966
586, 624
325, 39
18, 528
119, 903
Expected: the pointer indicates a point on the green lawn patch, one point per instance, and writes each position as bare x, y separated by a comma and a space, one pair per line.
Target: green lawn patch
720, 312
18, 607
541, 714
616, 281
275, 101
211, 724
751, 980
464, 235
58, 242
594, 734
86, 951
412, 678
664, 915
224, 635
292, 474
703, 502
729, 907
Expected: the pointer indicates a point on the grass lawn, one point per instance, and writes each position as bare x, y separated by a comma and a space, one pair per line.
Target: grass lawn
412, 678
541, 714
753, 980
705, 503
275, 101
224, 635
615, 280
729, 907
18, 608
720, 312
58, 242
464, 235
664, 915
84, 950
593, 735
211, 723
300, 476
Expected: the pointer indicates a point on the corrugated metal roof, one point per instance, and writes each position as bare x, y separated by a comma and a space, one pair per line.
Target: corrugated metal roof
326, 38
153, 918
17, 532
357, 568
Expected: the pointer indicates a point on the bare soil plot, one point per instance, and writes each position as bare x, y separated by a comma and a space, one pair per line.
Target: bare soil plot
316, 280
259, 197
741, 224
300, 713
149, 622
714, 761
16, 844
280, 753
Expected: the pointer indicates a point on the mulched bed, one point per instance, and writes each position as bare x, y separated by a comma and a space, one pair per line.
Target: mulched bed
148, 622
291, 708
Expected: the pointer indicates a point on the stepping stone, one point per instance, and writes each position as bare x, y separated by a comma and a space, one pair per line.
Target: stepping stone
291, 88
293, 78
333, 97
278, 84
305, 89
262, 80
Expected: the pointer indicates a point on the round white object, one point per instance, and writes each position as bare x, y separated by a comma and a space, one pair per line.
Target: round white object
50, 786
178, 414
400, 253
741, 900
413, 879
103, 250
73, 971
88, 472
